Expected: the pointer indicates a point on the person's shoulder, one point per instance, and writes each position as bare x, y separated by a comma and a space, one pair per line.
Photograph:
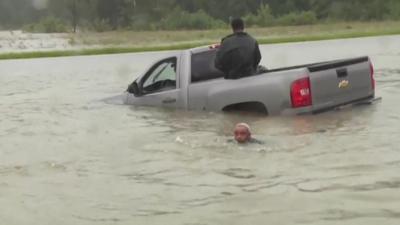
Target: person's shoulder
251, 37
231, 141
227, 37
243, 33
256, 141
247, 36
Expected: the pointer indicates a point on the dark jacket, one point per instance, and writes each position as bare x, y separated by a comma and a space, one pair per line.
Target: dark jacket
238, 56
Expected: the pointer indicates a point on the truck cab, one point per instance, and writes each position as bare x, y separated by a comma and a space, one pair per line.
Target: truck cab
160, 85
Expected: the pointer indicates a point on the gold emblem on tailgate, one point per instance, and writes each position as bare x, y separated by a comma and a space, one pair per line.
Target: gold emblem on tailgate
344, 84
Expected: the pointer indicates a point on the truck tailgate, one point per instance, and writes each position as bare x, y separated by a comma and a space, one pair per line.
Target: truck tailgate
341, 82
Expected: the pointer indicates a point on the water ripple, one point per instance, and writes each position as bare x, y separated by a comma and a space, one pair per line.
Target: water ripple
151, 212
148, 177
342, 215
16, 170
91, 219
238, 173
379, 185
198, 202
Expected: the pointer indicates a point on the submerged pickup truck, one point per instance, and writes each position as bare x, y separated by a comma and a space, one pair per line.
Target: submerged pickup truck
189, 80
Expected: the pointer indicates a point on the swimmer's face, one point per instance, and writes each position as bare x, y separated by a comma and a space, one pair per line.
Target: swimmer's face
242, 134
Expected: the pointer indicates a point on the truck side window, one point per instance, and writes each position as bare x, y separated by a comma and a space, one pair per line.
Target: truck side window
203, 67
161, 77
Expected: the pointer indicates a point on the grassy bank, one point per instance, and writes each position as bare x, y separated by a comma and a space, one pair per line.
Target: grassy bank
140, 41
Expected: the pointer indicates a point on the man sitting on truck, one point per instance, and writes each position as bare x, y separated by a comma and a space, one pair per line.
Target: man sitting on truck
239, 54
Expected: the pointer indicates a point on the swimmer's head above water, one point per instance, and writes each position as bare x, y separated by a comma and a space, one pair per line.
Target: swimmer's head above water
242, 133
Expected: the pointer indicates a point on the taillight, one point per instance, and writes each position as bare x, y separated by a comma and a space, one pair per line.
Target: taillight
301, 93
371, 70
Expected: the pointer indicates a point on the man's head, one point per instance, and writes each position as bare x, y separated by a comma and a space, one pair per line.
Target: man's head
242, 133
237, 25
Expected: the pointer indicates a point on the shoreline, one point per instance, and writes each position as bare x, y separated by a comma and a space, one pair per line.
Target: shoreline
85, 44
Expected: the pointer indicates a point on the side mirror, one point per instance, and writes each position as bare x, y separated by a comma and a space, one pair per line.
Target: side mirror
134, 89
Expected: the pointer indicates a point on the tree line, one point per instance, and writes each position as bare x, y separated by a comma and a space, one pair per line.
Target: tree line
103, 15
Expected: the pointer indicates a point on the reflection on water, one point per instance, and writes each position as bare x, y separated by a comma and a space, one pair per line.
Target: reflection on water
69, 158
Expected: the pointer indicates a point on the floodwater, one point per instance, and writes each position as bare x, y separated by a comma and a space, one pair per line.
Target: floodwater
19, 41
66, 157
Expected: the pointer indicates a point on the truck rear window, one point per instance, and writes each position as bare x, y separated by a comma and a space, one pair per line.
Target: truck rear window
203, 67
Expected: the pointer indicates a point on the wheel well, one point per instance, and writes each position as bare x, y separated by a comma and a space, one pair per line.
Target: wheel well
256, 107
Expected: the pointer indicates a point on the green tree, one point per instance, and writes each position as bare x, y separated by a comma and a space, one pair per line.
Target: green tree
15, 13
150, 14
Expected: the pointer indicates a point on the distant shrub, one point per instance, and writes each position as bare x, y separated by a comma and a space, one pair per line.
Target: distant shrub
262, 18
394, 11
141, 22
293, 19
200, 20
101, 25
47, 25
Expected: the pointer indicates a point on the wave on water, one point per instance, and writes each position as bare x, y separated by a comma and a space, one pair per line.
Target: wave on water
115, 100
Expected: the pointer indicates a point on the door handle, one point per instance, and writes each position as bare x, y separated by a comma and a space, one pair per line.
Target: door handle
169, 100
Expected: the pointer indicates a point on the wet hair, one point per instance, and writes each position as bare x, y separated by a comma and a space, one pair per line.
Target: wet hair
237, 24
244, 125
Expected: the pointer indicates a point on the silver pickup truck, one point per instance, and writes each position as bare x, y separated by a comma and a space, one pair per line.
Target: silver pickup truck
189, 80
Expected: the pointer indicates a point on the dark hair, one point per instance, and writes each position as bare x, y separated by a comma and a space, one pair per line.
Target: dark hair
237, 24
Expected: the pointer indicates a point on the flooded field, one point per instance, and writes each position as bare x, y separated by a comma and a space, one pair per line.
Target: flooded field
18, 41
66, 157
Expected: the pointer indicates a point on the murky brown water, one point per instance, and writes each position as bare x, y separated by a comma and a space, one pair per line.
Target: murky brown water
68, 158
